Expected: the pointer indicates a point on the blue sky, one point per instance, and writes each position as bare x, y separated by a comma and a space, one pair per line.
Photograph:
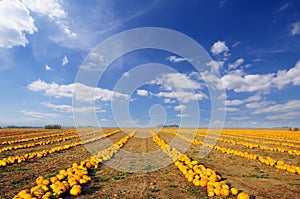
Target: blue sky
255, 46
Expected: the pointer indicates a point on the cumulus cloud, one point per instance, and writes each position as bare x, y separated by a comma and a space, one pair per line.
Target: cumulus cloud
213, 80
39, 114
182, 96
233, 102
53, 10
175, 59
69, 108
295, 30
289, 106
236, 64
47, 67
180, 107
215, 65
284, 116
251, 101
50, 8
284, 77
15, 22
169, 101
176, 81
228, 109
83, 92
259, 104
219, 47
253, 98
178, 86
95, 62
289, 110
240, 82
65, 61
142, 92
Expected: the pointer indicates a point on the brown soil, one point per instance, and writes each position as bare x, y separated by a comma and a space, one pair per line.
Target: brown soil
259, 180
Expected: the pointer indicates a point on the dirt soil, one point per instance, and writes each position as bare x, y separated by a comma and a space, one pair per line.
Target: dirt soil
137, 176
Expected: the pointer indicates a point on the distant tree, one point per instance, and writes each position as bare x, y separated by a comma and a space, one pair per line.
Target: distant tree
168, 126
52, 126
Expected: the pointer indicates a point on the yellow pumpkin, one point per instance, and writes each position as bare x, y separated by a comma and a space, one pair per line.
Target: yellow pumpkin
76, 190
224, 192
234, 191
243, 195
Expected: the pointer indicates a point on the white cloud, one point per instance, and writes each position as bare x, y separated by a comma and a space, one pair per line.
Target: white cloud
215, 65
179, 107
52, 89
47, 67
91, 25
103, 120
289, 106
15, 22
295, 28
253, 98
83, 92
240, 82
53, 10
182, 115
50, 8
142, 92
233, 102
182, 96
175, 59
228, 109
176, 81
258, 104
237, 102
236, 64
284, 77
39, 114
65, 61
212, 80
285, 116
247, 65
69, 108
95, 62
223, 96
219, 47
169, 101
257, 60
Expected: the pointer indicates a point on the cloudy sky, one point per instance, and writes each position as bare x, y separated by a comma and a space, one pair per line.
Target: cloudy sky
254, 46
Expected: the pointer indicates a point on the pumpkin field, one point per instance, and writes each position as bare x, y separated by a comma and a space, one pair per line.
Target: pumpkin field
243, 163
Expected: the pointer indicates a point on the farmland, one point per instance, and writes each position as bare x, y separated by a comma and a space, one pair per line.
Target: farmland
40, 163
